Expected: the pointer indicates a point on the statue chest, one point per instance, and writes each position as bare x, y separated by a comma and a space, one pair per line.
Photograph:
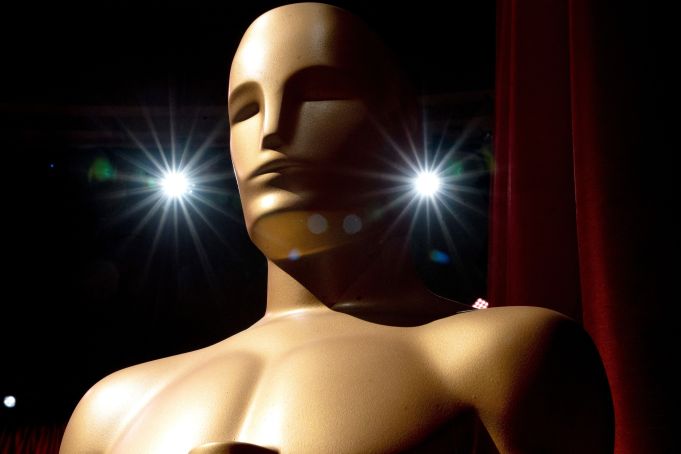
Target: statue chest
338, 395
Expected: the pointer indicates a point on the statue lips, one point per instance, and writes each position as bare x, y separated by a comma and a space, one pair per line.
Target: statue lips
338, 185
275, 166
311, 182
287, 174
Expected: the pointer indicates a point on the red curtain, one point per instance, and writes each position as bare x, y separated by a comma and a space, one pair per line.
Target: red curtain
32, 439
577, 192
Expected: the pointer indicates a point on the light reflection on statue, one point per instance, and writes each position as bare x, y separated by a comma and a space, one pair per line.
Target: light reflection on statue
354, 354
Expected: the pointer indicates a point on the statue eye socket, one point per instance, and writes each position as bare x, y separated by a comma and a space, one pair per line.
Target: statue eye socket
246, 112
329, 91
325, 95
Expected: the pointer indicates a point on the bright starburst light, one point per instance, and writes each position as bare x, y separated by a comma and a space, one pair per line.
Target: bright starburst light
175, 184
171, 188
427, 183
437, 182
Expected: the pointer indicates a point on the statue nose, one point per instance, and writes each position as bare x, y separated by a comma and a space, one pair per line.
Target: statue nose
272, 123
272, 141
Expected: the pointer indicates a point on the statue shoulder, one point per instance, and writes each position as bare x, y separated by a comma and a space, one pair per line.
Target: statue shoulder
107, 409
108, 406
533, 376
512, 328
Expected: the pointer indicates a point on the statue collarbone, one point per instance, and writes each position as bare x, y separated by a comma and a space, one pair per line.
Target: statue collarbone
302, 382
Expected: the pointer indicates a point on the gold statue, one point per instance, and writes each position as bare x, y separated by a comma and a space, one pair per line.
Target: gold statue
354, 354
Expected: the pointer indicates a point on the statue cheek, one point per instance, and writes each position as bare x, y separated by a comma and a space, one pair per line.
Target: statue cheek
244, 146
326, 129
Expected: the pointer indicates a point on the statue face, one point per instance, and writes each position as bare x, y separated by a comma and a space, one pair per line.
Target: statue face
304, 107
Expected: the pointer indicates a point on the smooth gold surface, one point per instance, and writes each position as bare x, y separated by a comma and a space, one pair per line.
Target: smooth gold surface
354, 354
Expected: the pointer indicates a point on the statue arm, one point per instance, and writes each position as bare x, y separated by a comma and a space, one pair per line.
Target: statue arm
551, 394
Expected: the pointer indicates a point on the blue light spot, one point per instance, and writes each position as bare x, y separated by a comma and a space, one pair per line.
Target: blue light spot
439, 257
352, 224
317, 224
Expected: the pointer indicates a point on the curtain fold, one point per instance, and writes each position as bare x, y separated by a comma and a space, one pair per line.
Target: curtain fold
576, 193
44, 439
532, 195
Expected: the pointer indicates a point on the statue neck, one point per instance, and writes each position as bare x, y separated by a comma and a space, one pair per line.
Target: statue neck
370, 280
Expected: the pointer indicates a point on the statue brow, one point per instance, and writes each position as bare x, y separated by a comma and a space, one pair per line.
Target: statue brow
309, 71
318, 71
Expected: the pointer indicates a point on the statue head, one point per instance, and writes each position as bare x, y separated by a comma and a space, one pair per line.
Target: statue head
316, 110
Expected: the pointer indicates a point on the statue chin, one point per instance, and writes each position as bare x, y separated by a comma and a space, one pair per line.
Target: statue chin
290, 235
231, 448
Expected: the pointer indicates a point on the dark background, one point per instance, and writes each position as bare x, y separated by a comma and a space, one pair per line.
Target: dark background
84, 290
